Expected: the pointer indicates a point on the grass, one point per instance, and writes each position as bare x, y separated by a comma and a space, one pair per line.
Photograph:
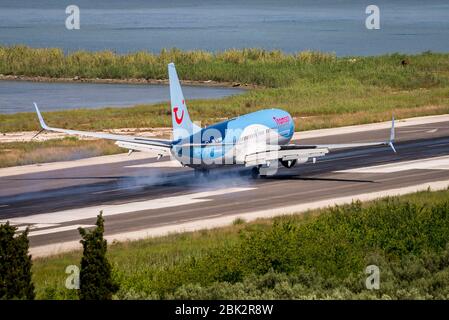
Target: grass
318, 89
23, 153
255, 66
318, 255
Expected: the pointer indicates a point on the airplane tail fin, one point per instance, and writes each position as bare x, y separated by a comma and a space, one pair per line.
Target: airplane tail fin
182, 125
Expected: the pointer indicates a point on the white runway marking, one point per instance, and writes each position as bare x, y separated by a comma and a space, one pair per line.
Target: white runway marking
437, 163
114, 209
4, 205
158, 164
36, 226
437, 145
60, 229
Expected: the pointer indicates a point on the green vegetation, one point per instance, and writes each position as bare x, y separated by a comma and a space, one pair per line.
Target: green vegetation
23, 153
318, 89
254, 66
318, 255
15, 264
96, 282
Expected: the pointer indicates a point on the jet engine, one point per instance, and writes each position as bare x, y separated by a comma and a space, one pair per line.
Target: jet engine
288, 163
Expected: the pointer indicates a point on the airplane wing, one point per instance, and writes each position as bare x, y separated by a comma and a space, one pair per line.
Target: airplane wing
302, 153
280, 153
133, 143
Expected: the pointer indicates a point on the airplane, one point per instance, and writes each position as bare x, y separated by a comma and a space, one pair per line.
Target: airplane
259, 140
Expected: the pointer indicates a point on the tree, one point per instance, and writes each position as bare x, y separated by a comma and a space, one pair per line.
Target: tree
15, 264
96, 282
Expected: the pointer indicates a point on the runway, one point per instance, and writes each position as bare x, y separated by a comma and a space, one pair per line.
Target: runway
139, 196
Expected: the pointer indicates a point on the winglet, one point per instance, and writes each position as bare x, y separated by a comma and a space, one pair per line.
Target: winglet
392, 135
41, 119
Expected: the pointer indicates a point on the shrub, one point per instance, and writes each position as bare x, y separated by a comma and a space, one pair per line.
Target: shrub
406, 239
96, 282
15, 264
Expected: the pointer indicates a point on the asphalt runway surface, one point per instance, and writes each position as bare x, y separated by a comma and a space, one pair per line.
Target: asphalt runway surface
135, 195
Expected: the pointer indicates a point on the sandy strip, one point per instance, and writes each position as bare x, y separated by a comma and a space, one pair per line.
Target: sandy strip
369, 127
216, 222
28, 136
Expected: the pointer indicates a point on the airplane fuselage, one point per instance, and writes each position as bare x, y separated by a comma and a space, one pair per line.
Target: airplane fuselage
229, 141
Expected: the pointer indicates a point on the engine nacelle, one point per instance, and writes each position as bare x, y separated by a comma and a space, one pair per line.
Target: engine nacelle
291, 163
288, 163
302, 160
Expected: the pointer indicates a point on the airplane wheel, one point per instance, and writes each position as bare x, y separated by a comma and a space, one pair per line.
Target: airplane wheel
255, 173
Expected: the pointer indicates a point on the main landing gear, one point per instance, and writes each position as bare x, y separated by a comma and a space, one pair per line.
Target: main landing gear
262, 171
255, 172
259, 172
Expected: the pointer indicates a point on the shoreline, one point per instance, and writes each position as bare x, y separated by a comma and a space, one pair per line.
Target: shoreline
27, 136
134, 81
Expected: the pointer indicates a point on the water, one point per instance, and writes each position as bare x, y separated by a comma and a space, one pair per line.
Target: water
338, 26
18, 96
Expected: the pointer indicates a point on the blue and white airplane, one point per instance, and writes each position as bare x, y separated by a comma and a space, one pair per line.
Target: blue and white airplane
259, 140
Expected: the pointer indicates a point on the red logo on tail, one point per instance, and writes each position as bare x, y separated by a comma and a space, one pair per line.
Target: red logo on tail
177, 118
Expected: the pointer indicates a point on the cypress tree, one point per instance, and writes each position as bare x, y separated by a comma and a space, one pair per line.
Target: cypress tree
96, 281
15, 264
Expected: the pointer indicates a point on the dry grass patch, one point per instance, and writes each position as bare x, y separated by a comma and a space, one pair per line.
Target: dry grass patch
23, 153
